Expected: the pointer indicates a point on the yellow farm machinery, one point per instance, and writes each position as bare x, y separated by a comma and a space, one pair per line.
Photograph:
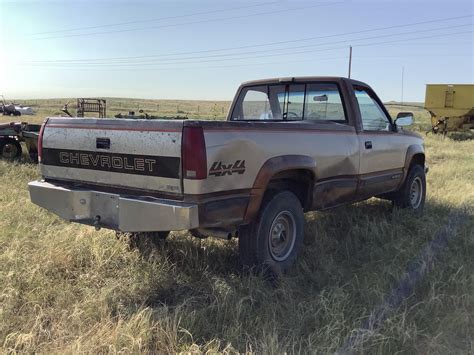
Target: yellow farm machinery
451, 107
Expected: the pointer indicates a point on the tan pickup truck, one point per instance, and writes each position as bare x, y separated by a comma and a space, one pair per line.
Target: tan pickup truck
288, 146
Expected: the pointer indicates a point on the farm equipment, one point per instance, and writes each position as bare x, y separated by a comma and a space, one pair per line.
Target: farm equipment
451, 107
12, 134
8, 110
88, 105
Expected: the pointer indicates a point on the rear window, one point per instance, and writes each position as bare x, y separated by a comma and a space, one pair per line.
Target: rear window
311, 102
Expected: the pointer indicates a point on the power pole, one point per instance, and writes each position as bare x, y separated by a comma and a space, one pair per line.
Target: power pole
403, 74
350, 61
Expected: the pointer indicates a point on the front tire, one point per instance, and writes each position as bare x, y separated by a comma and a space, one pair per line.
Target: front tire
273, 240
413, 192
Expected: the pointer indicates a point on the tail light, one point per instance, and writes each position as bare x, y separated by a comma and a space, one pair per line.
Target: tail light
40, 141
194, 153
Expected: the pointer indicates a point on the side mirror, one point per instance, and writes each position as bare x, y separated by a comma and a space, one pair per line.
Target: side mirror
404, 119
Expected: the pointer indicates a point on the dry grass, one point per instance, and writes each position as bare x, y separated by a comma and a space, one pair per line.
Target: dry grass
67, 288
198, 109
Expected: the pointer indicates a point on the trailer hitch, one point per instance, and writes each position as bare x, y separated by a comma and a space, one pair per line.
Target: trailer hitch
97, 223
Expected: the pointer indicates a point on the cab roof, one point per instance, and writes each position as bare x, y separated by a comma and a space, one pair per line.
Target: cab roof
299, 79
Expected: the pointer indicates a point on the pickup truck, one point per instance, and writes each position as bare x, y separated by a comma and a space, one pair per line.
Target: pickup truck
288, 146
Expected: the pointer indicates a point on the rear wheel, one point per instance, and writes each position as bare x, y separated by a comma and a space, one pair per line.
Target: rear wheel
10, 149
273, 240
413, 192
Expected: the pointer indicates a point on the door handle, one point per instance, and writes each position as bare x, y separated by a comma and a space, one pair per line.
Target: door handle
368, 144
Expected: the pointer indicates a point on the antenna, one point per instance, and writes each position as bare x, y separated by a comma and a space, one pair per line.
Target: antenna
350, 61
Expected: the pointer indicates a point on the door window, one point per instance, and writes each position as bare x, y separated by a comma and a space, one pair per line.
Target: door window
373, 116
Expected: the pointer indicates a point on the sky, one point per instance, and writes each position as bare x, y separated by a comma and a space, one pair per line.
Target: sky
204, 49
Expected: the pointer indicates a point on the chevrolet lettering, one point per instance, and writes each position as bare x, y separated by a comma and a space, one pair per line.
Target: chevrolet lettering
123, 163
105, 161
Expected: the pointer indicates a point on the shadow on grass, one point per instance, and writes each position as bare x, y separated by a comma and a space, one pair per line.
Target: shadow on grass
352, 258
461, 136
338, 245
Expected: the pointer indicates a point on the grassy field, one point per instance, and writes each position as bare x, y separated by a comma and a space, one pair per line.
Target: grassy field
68, 288
198, 109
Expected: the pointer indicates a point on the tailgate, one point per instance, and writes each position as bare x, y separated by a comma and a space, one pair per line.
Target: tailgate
131, 154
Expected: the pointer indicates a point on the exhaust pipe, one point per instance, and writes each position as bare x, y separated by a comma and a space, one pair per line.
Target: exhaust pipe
218, 233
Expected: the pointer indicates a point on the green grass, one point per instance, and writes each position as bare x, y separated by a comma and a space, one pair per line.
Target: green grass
68, 288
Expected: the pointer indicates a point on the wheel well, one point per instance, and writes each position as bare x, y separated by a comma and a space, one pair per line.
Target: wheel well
418, 159
299, 181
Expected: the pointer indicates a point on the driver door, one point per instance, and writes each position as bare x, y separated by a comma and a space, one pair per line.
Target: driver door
382, 151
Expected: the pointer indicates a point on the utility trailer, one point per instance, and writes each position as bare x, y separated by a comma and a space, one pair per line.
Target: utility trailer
451, 107
12, 134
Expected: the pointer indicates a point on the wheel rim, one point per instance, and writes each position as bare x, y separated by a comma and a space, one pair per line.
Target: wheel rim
9, 151
282, 236
416, 192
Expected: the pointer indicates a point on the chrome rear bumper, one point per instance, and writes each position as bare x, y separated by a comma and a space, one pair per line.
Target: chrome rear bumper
127, 214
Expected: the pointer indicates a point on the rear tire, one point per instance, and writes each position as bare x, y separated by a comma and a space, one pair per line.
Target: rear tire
413, 192
272, 242
10, 149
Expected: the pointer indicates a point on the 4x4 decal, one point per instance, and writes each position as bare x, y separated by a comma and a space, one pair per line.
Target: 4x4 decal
220, 169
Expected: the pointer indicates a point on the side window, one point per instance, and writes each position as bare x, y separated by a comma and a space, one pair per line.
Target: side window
323, 102
373, 117
255, 104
